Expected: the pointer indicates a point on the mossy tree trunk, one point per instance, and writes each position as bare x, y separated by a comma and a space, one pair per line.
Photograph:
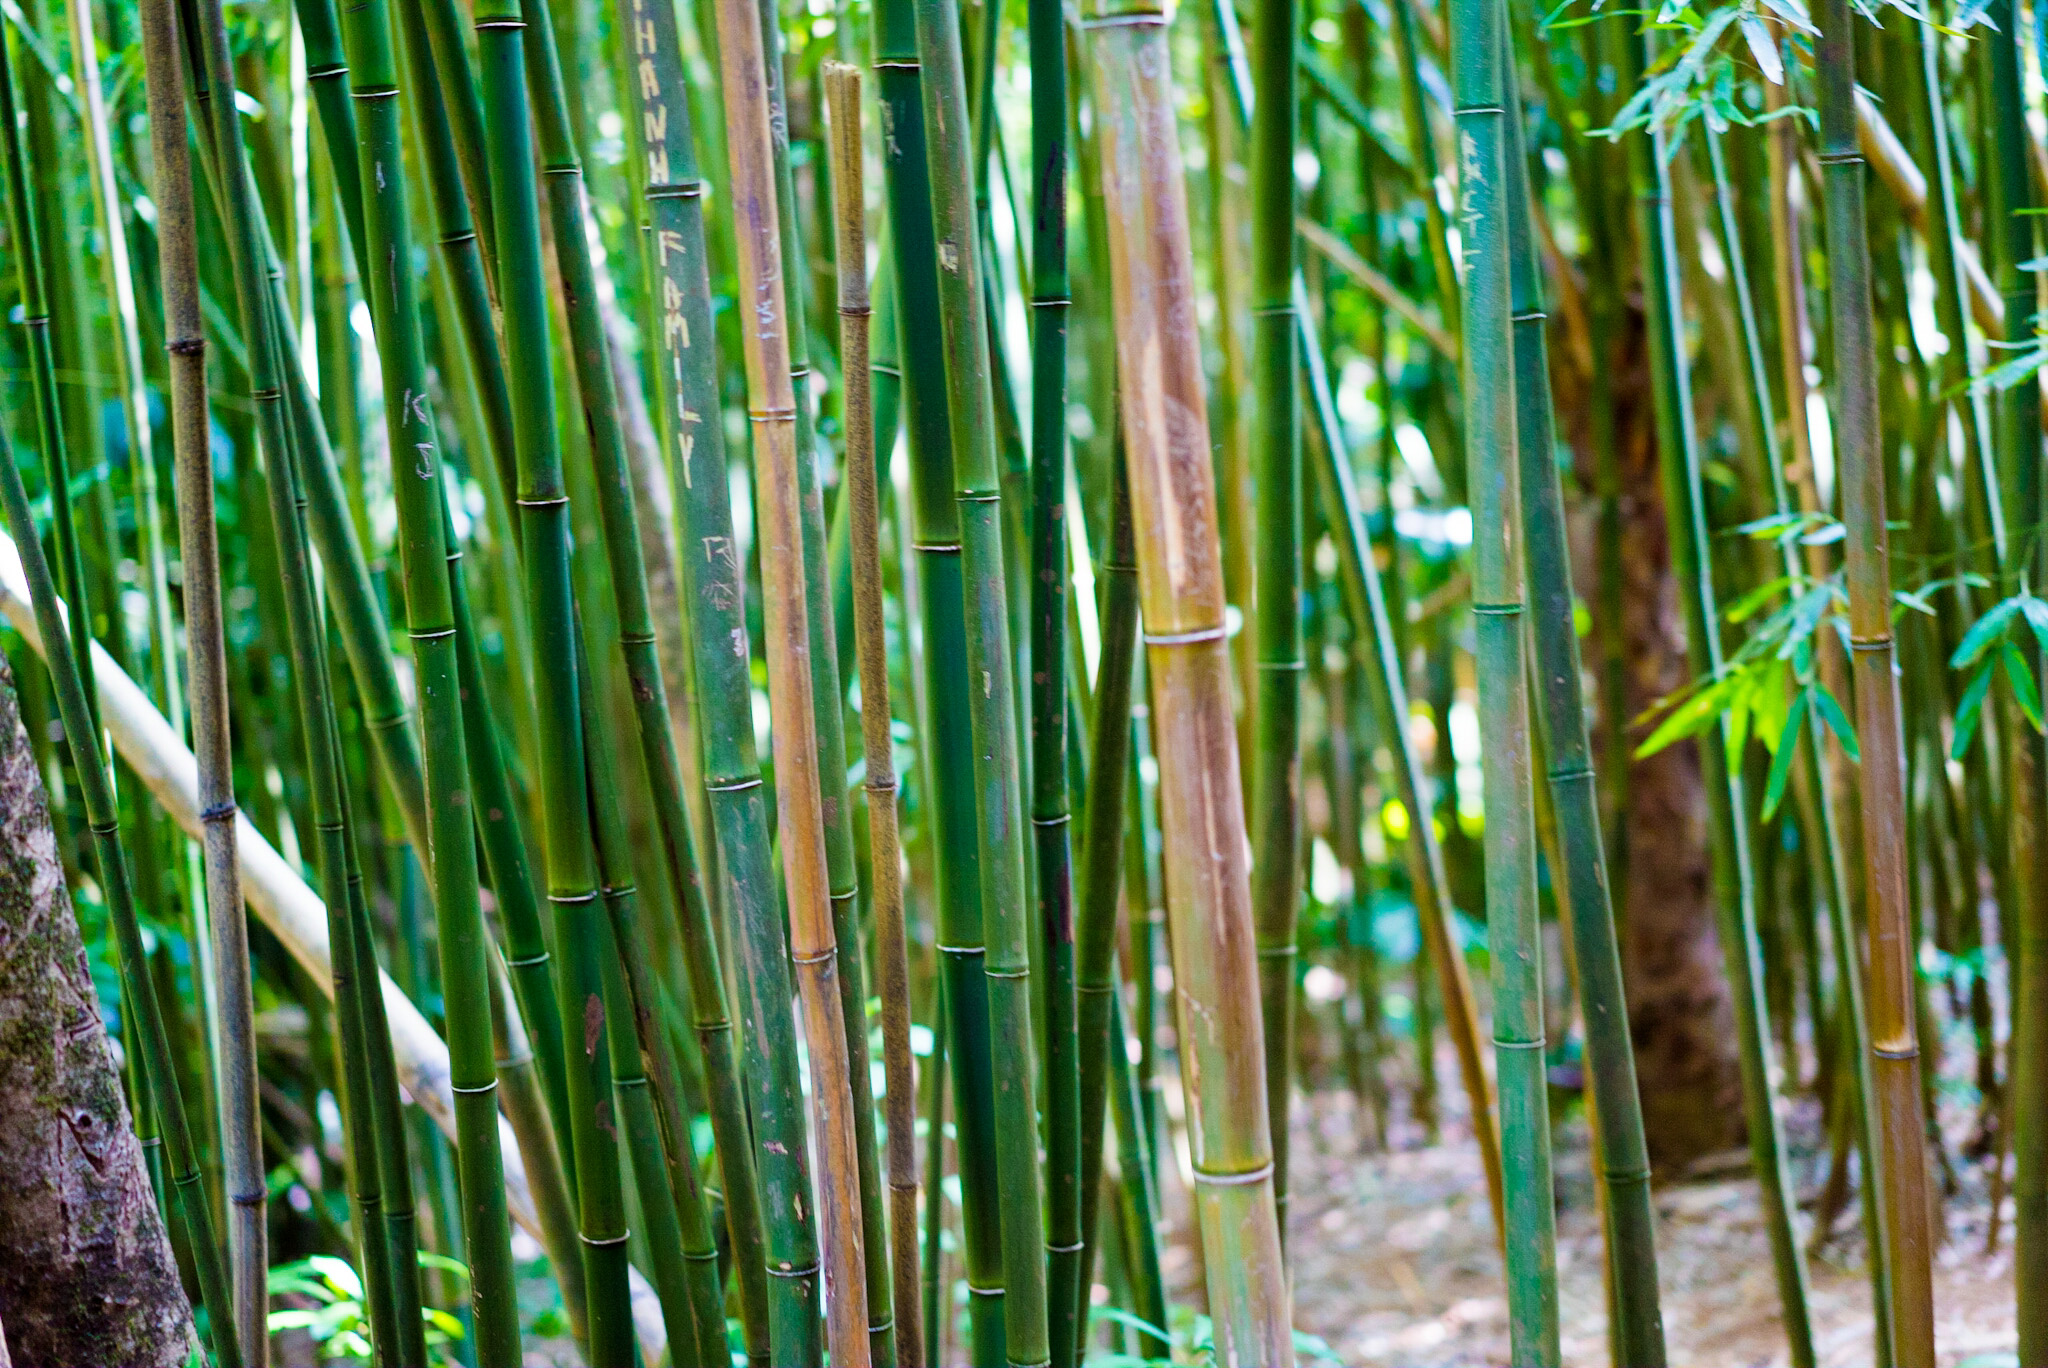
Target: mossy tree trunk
89, 1278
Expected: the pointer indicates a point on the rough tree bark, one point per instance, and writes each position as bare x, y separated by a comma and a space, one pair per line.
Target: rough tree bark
1679, 1009
86, 1273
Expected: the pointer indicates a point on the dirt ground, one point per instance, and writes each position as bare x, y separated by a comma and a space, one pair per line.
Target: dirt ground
1396, 1262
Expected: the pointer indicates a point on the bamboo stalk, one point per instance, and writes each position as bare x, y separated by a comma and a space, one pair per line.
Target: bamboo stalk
1901, 1173
1734, 894
992, 714
963, 1019
1180, 579
842, 94
72, 688
1561, 721
1276, 464
772, 404
671, 199
206, 658
1479, 50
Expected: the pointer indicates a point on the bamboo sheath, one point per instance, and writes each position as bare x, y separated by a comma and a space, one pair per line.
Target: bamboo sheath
843, 95
1209, 916
1901, 1176
771, 403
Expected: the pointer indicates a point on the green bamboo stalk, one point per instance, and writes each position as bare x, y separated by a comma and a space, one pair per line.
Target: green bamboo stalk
671, 200
936, 540
206, 659
1210, 915
1137, 1196
1276, 464
777, 1270
799, 792
2017, 441
1857, 1024
1422, 148
1051, 820
432, 625
682, 1255
992, 712
1561, 721
542, 500
1430, 884
1734, 894
1901, 1169
1479, 57
842, 94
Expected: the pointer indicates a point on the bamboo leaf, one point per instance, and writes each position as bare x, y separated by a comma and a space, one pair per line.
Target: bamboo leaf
2022, 680
1764, 48
1983, 632
1968, 711
1837, 720
1782, 756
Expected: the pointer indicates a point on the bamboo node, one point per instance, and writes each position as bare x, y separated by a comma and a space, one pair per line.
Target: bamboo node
963, 949
1286, 666
1528, 316
1063, 819
558, 501
1497, 609
1215, 633
944, 548
528, 961
482, 25
1074, 1248
566, 898
1907, 1052
734, 786
478, 1091
1023, 973
898, 64
819, 958
855, 311
1537, 1044
1139, 20
809, 1270
1288, 951
1852, 157
438, 634
219, 811
375, 93
1572, 774
987, 496
1244, 1179
186, 346
604, 1241
332, 69
109, 828
1052, 302
249, 1200
636, 638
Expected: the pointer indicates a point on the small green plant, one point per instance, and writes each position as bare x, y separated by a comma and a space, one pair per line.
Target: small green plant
338, 1321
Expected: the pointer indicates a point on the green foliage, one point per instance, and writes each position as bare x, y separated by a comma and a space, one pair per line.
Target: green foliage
338, 1321
1987, 648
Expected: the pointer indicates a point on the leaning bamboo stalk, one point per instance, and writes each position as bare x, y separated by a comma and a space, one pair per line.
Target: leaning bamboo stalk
1733, 874
992, 714
206, 659
1561, 719
1181, 584
771, 403
842, 94
1901, 1176
1276, 465
81, 726
1367, 604
1479, 54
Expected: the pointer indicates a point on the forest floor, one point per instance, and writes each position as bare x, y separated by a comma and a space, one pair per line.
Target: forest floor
1396, 1262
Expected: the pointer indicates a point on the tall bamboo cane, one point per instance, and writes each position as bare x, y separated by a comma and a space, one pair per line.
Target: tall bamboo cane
771, 402
935, 539
206, 660
1623, 1156
671, 200
71, 689
1479, 52
1276, 463
464, 943
991, 710
1051, 820
1181, 583
1734, 893
1901, 1176
842, 94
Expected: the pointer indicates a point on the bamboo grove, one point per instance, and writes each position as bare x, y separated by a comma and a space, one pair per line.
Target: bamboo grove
740, 681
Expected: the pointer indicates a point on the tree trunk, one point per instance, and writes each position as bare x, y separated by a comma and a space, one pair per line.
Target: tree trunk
1679, 1009
87, 1276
